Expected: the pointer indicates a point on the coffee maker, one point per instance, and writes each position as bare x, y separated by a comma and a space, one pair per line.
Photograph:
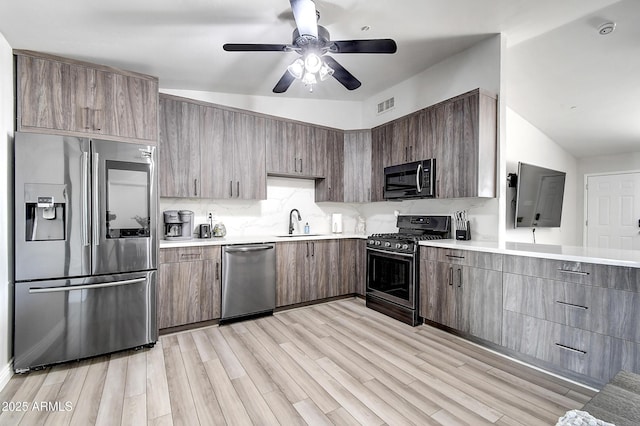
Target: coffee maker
178, 224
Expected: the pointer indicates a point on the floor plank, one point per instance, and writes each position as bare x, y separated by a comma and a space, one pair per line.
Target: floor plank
332, 363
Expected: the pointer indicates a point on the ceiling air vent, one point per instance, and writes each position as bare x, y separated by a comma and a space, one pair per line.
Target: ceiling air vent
386, 105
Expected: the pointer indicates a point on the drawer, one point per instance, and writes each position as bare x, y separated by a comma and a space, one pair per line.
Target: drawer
583, 352
618, 277
607, 311
182, 254
473, 258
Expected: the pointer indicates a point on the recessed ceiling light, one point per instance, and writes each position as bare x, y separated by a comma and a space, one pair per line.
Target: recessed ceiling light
606, 28
365, 28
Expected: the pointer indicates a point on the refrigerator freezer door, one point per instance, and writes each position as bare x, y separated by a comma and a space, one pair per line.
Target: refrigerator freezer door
51, 206
124, 207
63, 320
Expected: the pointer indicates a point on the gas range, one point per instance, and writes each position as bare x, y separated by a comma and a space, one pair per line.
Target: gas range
411, 230
393, 276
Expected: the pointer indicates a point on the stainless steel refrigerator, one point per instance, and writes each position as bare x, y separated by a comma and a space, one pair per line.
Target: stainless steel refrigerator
85, 248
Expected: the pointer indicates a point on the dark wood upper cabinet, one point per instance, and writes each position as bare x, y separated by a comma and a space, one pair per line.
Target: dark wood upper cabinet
295, 149
63, 96
332, 187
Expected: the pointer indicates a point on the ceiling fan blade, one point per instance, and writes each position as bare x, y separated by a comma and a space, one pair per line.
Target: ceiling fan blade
243, 47
380, 45
304, 12
341, 74
283, 84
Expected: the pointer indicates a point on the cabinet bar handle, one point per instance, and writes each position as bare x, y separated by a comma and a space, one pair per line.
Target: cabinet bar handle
231, 188
569, 348
451, 275
313, 251
567, 271
307, 249
453, 256
571, 305
295, 164
301, 165
190, 256
195, 187
217, 271
459, 277
238, 188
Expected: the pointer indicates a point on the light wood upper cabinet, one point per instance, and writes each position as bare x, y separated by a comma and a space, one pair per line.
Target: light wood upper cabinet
465, 142
69, 97
210, 152
179, 153
357, 166
295, 149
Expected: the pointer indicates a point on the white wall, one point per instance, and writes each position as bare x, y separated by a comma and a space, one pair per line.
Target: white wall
6, 229
478, 66
528, 144
338, 114
601, 164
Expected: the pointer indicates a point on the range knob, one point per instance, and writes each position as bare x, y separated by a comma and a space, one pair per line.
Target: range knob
378, 242
372, 242
398, 245
387, 244
405, 246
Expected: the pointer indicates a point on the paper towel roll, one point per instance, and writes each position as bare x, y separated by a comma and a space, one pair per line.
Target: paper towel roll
336, 223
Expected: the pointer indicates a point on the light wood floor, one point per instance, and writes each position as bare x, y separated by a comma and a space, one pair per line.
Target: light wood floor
334, 363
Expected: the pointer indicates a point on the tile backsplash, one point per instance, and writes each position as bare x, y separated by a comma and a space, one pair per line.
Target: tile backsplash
271, 216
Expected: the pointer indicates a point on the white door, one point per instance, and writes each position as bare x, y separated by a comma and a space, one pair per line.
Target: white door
613, 211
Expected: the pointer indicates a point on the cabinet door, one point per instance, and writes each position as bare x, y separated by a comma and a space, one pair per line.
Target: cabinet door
480, 302
93, 94
399, 145
324, 269
353, 267
216, 152
314, 151
291, 271
282, 147
380, 158
249, 158
181, 296
331, 188
134, 112
45, 92
439, 294
179, 149
357, 166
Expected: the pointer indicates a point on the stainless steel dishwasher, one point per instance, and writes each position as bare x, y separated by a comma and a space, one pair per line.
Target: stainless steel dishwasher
248, 280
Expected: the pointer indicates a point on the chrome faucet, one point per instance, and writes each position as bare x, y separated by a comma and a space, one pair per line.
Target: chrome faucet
291, 219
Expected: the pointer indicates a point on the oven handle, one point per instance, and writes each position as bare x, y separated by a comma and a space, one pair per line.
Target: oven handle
418, 172
390, 252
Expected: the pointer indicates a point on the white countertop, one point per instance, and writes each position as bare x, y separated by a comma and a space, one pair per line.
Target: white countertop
256, 239
615, 257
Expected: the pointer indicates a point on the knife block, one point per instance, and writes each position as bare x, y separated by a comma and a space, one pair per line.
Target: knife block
464, 234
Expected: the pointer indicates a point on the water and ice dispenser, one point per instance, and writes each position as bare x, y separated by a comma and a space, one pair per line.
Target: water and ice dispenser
45, 208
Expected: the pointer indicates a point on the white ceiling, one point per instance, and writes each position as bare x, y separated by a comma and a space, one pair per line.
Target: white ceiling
555, 60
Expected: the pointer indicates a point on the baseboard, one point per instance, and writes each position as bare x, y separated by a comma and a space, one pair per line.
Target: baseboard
5, 374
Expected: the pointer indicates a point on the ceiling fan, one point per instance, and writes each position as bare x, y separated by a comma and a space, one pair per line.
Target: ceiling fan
312, 42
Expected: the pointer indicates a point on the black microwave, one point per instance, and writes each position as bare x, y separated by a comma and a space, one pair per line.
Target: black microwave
410, 180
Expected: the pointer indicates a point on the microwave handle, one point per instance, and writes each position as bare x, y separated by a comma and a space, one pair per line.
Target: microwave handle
418, 179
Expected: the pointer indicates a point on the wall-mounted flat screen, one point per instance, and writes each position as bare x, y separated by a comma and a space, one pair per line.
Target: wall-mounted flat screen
539, 197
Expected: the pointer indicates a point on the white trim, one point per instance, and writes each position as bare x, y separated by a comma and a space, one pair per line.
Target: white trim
5, 374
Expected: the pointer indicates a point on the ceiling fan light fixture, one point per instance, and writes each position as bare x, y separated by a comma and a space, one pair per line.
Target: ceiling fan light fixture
309, 79
325, 72
312, 63
296, 69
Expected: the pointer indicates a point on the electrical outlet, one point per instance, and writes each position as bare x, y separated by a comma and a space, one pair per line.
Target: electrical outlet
210, 217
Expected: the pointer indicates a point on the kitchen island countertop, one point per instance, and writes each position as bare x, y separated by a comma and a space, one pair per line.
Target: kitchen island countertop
616, 257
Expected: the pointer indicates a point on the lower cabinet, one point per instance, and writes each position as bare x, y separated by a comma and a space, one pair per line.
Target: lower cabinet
189, 285
307, 271
353, 260
465, 298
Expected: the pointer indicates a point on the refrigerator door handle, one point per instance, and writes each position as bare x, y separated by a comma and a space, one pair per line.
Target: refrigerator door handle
86, 223
96, 199
36, 290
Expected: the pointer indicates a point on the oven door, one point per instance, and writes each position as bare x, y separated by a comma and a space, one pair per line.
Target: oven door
391, 276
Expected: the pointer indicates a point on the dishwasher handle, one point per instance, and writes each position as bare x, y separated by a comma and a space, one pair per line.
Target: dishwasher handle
246, 249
